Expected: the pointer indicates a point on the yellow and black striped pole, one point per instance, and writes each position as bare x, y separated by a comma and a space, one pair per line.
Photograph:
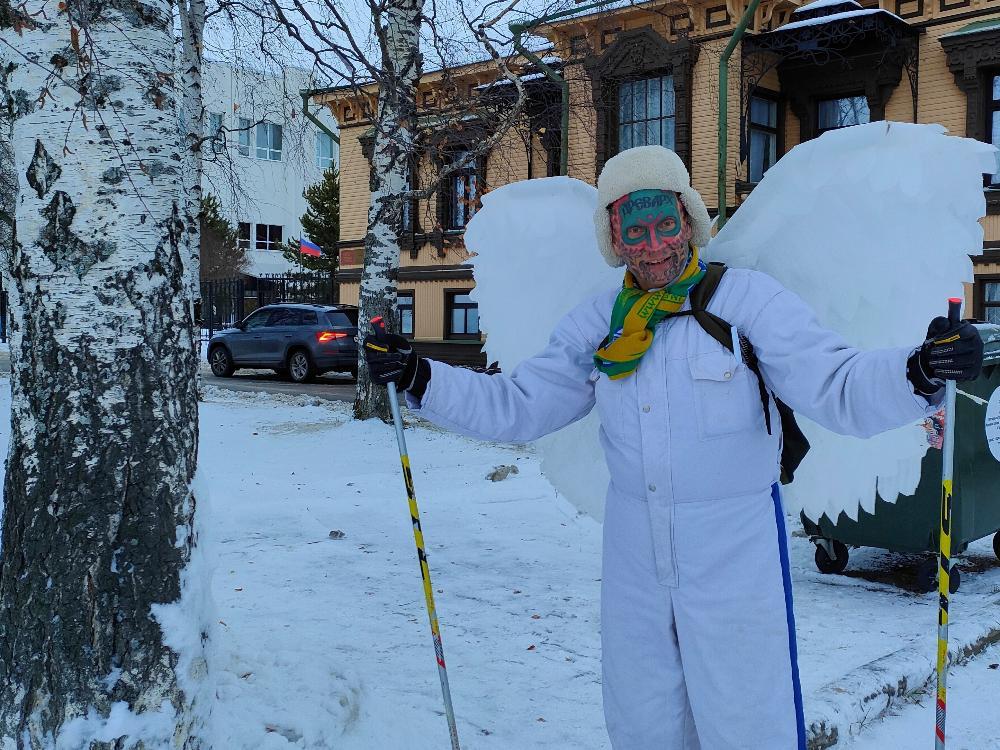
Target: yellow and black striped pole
418, 536
944, 546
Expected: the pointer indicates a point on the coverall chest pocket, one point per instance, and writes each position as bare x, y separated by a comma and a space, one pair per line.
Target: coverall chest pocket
608, 394
726, 399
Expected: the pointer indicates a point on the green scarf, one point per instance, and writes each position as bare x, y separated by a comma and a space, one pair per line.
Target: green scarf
636, 314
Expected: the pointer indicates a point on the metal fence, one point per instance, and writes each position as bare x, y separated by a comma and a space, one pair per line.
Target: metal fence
225, 302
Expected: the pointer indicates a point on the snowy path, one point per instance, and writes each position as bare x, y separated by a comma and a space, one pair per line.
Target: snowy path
324, 643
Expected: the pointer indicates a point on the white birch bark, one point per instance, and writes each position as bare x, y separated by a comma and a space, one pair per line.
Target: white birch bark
395, 127
98, 506
192, 22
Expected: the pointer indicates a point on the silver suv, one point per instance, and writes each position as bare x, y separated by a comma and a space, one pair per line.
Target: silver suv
296, 341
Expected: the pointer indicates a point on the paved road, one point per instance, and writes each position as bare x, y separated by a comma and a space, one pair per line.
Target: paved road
334, 387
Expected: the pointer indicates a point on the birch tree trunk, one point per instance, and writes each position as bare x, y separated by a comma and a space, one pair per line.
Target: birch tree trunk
192, 22
99, 509
395, 126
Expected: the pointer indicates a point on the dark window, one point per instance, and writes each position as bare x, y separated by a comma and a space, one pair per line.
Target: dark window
578, 45
284, 316
244, 136
462, 316
993, 126
404, 306
763, 136
343, 319
646, 112
842, 113
243, 235
257, 319
268, 237
462, 194
991, 301
268, 141
216, 132
308, 319
410, 206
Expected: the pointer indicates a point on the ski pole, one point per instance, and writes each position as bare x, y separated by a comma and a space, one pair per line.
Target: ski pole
418, 537
944, 547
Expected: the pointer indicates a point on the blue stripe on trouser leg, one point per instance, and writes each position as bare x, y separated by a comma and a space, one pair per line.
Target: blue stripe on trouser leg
786, 577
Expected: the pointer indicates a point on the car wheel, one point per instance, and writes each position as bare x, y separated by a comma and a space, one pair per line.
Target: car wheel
354, 377
996, 545
300, 366
826, 564
221, 362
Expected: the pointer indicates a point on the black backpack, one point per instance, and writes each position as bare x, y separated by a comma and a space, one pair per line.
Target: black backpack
794, 445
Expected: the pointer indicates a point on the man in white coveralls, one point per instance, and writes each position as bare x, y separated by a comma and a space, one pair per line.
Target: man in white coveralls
697, 630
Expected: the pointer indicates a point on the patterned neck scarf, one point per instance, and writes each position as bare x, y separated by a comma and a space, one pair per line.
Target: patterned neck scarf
635, 316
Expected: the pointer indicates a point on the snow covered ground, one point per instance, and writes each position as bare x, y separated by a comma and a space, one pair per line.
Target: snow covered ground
323, 641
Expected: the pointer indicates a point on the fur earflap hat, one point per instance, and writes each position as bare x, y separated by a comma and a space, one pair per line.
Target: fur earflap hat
646, 168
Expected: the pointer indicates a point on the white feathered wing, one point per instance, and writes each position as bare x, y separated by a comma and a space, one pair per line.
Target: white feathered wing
871, 225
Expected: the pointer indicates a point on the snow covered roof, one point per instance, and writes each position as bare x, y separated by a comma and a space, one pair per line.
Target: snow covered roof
264, 262
819, 20
819, 4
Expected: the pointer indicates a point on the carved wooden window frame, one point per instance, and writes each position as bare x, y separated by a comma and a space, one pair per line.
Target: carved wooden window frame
639, 53
974, 59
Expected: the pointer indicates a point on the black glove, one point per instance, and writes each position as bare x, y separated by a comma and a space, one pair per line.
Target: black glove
389, 357
952, 351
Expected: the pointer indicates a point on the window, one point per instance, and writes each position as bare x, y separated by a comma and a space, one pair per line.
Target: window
284, 316
404, 307
842, 113
763, 136
994, 125
646, 113
308, 319
268, 141
991, 301
216, 133
462, 316
343, 319
324, 151
463, 194
256, 320
268, 237
244, 136
243, 235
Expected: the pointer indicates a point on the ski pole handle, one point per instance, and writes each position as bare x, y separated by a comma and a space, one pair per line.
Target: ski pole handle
954, 310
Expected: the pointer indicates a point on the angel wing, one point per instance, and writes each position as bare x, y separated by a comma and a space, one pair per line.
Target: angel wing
536, 258
872, 226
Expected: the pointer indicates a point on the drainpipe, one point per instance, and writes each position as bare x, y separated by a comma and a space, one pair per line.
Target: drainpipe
306, 94
518, 29
724, 104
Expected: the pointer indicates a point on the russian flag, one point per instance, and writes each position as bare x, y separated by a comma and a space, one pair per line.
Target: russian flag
308, 248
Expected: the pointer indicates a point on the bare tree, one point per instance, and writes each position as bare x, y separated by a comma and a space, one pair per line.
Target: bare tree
98, 522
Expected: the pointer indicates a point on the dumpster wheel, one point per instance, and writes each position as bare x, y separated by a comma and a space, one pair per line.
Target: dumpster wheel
826, 563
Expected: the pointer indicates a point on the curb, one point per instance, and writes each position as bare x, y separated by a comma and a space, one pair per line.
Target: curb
840, 710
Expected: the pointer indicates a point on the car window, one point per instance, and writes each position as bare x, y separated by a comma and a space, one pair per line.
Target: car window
256, 320
308, 319
283, 316
343, 319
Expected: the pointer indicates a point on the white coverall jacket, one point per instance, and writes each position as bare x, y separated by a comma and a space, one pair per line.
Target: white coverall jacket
698, 633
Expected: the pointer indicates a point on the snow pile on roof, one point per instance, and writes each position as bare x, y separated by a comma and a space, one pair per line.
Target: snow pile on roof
819, 20
820, 4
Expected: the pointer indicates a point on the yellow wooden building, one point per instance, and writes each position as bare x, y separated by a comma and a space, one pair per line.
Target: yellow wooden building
649, 73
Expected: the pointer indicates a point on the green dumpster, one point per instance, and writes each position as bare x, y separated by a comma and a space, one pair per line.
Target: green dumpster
912, 524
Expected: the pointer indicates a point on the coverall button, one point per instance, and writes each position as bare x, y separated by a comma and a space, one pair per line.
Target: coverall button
652, 488
646, 408
727, 374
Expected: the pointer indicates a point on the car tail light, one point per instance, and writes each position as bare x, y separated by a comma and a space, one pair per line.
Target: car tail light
324, 336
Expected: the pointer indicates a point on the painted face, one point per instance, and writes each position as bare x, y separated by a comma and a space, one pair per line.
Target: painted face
650, 232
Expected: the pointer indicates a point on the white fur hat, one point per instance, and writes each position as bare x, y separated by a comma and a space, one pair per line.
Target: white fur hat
646, 168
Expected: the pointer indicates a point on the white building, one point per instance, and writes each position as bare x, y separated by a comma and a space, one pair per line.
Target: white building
266, 154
